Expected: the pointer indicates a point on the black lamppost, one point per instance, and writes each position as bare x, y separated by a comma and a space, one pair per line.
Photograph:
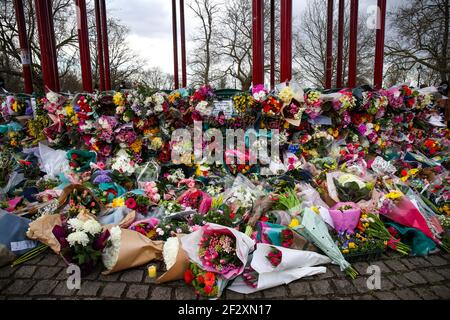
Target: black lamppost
419, 71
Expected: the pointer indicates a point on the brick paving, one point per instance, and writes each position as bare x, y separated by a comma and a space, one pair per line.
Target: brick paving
403, 278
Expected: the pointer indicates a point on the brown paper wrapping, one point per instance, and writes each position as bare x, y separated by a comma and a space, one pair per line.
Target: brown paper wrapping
178, 269
128, 220
136, 250
42, 230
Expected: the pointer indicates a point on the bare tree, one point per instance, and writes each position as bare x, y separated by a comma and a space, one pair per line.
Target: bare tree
155, 78
310, 40
421, 37
204, 58
124, 62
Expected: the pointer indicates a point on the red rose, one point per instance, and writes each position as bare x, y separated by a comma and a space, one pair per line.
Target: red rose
188, 276
404, 173
201, 279
232, 215
74, 156
72, 164
208, 289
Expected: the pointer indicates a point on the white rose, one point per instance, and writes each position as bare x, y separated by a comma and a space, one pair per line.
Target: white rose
53, 97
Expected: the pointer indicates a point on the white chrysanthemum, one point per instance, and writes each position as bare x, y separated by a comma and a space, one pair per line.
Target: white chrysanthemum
92, 227
78, 237
75, 224
204, 108
170, 252
158, 99
159, 108
52, 97
346, 178
111, 253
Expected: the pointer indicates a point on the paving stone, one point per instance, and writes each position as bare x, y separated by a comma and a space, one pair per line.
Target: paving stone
385, 295
444, 272
407, 294
344, 287
132, 276
364, 297
21, 298
6, 272
340, 298
322, 287
360, 284
383, 267
25, 272
110, 277
35, 260
400, 281
62, 290
276, 293
19, 287
161, 293
431, 276
396, 265
185, 293
255, 296
137, 291
89, 288
437, 261
409, 265
327, 275
317, 298
50, 260
4, 283
415, 277
420, 262
361, 267
441, 291
299, 289
43, 287
386, 284
231, 295
113, 290
336, 270
93, 275
426, 294
446, 256
46, 272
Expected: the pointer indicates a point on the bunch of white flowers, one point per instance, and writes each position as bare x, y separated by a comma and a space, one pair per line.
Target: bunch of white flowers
170, 252
111, 253
243, 197
53, 97
78, 237
204, 108
123, 163
176, 176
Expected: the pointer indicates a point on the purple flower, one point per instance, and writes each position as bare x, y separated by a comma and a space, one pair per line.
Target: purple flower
60, 234
362, 129
102, 177
101, 242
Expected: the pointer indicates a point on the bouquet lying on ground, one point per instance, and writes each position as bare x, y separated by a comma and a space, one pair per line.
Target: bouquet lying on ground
345, 216
218, 249
348, 187
377, 229
313, 228
205, 283
273, 266
82, 242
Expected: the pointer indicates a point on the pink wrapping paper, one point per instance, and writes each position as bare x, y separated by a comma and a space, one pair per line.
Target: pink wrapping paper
346, 221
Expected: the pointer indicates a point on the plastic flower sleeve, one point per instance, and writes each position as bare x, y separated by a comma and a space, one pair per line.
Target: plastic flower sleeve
53, 162
314, 228
244, 245
295, 264
149, 172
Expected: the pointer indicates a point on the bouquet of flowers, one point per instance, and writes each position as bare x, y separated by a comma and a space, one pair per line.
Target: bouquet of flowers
175, 260
345, 216
205, 283
313, 228
129, 249
377, 230
271, 106
145, 227
82, 242
169, 228
313, 104
290, 265
218, 249
348, 187
80, 160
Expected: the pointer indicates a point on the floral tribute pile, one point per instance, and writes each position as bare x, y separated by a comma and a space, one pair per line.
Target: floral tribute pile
359, 172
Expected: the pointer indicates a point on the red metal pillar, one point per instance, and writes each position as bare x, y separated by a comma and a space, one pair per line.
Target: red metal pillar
286, 41
24, 47
258, 41
52, 41
83, 40
175, 44
272, 44
183, 46
353, 44
100, 62
105, 45
340, 51
329, 57
379, 46
47, 45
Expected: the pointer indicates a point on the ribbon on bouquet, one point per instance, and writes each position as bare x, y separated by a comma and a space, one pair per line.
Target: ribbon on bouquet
392, 243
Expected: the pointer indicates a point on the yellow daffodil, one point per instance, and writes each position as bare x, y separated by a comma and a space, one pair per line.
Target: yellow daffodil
345, 251
119, 99
294, 223
351, 245
118, 202
394, 195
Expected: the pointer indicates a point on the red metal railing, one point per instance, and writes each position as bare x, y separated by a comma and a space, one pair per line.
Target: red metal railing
258, 41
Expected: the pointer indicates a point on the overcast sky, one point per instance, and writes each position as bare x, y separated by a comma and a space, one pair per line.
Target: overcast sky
150, 24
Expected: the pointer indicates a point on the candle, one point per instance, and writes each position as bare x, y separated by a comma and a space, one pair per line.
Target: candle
152, 271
